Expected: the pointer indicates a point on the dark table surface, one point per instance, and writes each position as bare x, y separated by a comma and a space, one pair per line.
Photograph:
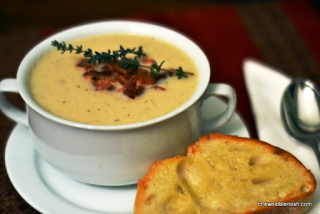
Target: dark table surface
284, 34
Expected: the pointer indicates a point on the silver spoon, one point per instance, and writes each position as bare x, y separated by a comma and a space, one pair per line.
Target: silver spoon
300, 112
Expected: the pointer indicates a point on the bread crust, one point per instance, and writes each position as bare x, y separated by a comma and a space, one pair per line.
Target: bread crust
302, 197
143, 183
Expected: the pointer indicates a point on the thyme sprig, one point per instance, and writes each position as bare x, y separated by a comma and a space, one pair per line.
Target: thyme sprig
118, 56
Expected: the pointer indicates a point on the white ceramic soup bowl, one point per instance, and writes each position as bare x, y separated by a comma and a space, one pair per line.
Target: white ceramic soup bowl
116, 154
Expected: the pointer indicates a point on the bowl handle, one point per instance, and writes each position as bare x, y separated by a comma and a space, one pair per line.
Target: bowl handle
224, 90
14, 113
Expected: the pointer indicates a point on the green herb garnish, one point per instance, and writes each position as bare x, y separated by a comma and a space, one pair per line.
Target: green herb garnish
180, 73
119, 56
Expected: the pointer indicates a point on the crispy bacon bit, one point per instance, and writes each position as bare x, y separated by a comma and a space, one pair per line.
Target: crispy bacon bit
132, 80
84, 64
147, 61
100, 80
96, 75
104, 84
130, 87
139, 90
107, 67
144, 77
171, 73
161, 76
158, 88
121, 79
126, 73
89, 74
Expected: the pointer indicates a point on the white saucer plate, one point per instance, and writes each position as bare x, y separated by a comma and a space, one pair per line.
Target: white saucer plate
51, 192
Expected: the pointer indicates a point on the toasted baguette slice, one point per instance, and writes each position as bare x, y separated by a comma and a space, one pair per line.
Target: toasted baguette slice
226, 174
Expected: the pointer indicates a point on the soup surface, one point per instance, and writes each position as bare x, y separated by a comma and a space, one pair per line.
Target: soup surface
59, 86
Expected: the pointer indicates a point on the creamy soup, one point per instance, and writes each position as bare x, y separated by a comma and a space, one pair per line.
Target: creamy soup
58, 85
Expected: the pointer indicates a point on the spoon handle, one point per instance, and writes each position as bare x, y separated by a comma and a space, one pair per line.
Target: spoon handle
316, 151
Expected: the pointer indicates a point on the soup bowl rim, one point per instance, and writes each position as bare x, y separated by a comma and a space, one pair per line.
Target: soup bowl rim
114, 26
